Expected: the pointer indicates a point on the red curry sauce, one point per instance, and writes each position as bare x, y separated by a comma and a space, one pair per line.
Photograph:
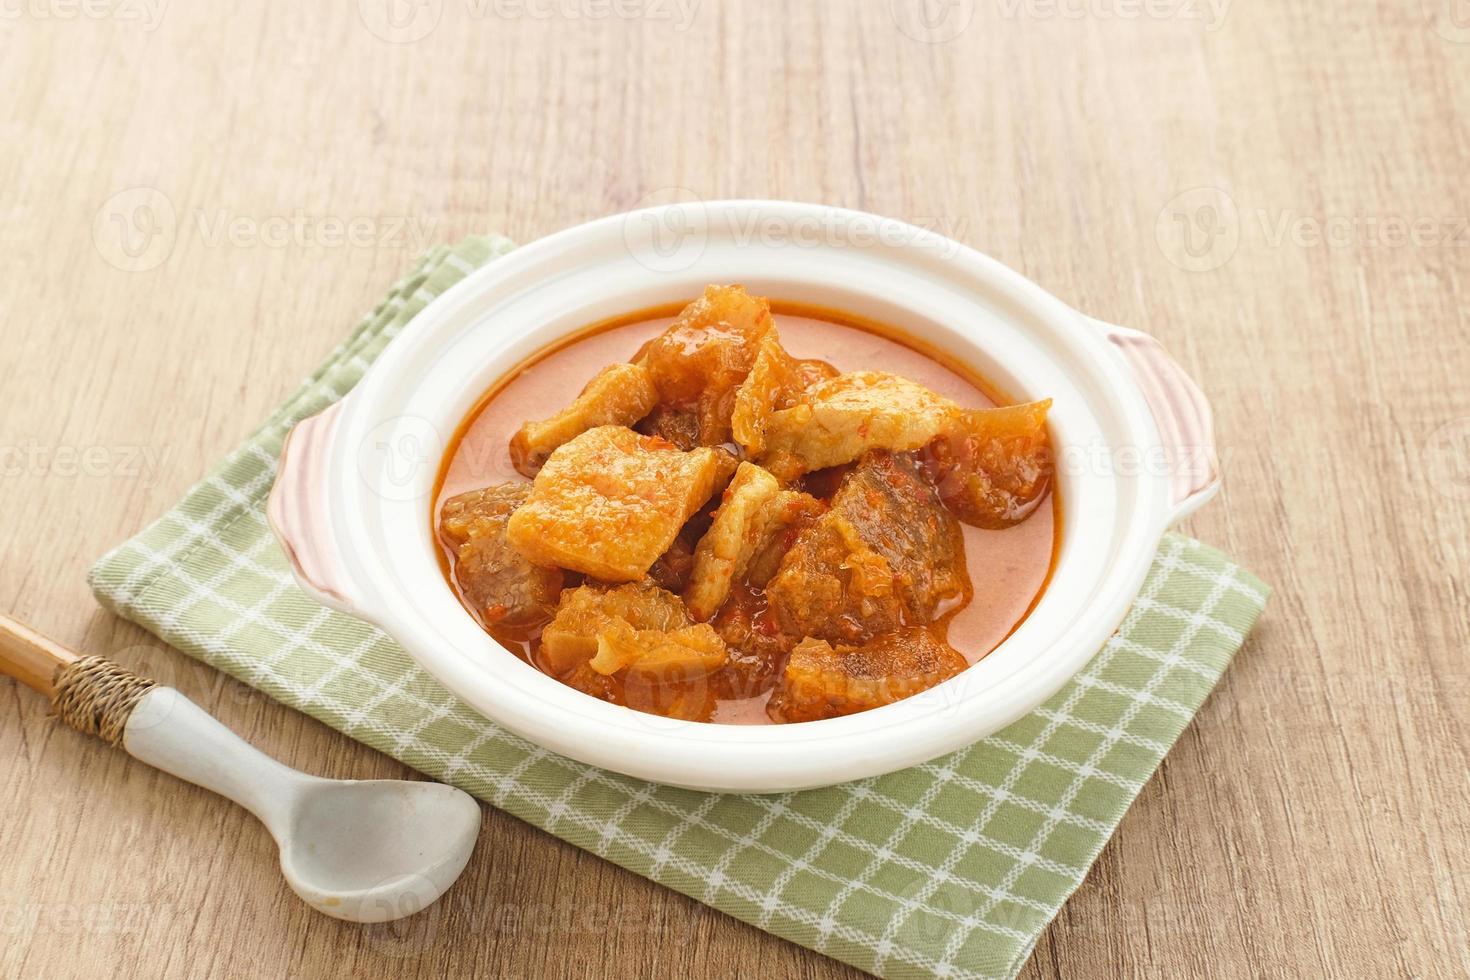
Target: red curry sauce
1008, 568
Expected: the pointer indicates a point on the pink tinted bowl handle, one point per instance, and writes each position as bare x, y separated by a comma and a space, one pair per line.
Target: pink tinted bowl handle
1182, 414
298, 513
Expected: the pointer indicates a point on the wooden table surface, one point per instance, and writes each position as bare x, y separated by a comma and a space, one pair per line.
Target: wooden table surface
198, 201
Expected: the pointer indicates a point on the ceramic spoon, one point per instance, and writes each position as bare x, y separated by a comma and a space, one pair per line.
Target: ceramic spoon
363, 850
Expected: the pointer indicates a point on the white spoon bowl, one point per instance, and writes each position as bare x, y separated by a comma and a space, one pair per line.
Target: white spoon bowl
361, 850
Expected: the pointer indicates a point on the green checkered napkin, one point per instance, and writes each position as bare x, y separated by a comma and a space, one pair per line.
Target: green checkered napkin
946, 869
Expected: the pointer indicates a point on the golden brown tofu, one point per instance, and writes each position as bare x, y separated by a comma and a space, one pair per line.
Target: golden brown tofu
656, 655
776, 381
610, 502
570, 640
750, 533
887, 555
705, 354
685, 700
737, 532
820, 681
840, 419
692, 700
510, 595
619, 394
634, 645
993, 467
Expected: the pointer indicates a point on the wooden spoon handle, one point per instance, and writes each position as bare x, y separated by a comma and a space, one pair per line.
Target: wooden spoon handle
30, 657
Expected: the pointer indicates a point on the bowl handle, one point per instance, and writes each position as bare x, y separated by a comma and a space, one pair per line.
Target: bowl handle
298, 511
1186, 425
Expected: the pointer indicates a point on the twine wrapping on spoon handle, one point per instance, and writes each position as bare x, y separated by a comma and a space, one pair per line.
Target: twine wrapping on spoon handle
91, 694
96, 696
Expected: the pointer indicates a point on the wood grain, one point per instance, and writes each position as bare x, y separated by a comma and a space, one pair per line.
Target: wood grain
1312, 822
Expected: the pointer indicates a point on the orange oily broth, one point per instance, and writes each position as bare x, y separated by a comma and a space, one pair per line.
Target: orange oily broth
1008, 568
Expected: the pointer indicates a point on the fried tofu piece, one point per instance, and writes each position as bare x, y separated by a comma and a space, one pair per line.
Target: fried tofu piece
776, 381
734, 535
840, 419
655, 655
634, 645
610, 502
685, 700
821, 681
510, 596
885, 556
570, 639
994, 466
619, 394
753, 512
787, 515
682, 700
705, 354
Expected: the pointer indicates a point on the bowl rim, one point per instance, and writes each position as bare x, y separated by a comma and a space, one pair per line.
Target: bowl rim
730, 757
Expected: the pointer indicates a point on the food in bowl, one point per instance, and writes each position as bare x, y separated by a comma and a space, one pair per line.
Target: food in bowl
747, 518
354, 505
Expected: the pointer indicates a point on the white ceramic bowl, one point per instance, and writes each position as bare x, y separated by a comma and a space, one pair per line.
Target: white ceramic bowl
352, 502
